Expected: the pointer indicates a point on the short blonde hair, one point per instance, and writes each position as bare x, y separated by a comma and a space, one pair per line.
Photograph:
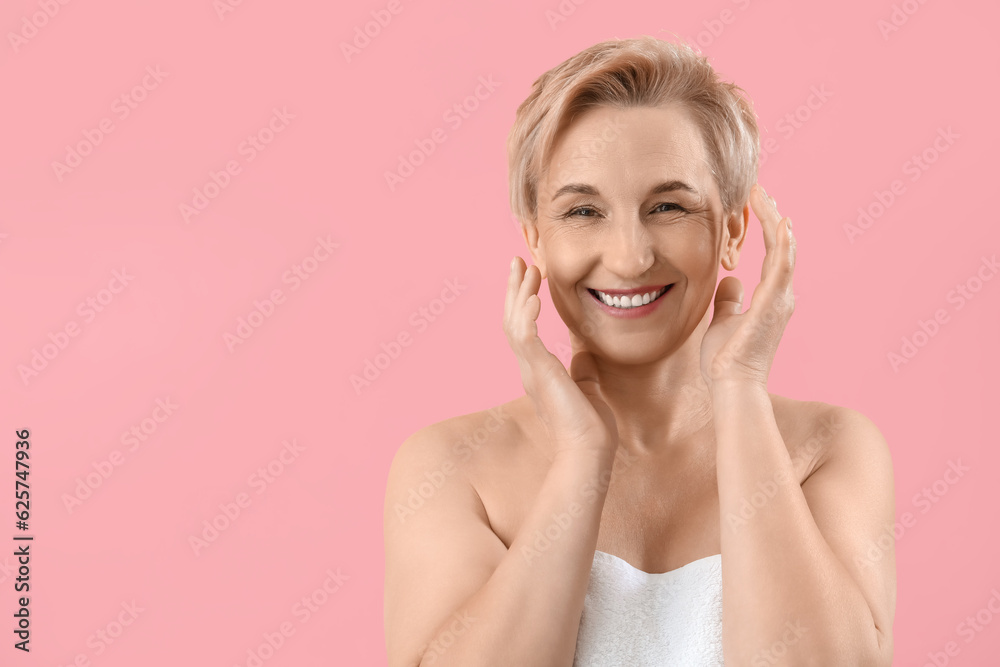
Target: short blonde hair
638, 72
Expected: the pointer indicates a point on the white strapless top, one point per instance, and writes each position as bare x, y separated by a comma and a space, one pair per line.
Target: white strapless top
640, 619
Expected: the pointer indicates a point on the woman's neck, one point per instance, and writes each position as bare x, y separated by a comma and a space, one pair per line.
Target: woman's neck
659, 406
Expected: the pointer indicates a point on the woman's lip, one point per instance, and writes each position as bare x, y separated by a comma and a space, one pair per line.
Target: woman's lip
635, 311
635, 290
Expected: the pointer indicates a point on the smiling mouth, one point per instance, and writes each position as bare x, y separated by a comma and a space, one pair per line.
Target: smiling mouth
628, 301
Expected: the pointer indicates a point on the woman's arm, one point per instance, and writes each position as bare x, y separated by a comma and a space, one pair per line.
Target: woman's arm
799, 583
802, 576
454, 595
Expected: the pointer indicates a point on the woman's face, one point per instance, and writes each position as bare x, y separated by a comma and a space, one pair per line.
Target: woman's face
629, 203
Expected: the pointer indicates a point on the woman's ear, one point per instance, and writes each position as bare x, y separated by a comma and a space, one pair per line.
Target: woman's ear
530, 232
734, 234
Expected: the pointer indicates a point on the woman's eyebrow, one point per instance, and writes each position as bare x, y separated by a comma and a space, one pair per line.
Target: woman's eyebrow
577, 189
671, 186
584, 189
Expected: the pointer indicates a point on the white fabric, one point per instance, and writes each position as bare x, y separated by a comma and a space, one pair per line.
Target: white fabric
633, 618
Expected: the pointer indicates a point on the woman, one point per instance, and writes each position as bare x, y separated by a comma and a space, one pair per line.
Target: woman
597, 519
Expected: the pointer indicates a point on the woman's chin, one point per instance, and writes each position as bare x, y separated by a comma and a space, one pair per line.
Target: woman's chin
633, 350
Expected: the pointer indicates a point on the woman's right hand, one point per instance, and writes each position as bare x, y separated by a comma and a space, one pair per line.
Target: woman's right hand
569, 404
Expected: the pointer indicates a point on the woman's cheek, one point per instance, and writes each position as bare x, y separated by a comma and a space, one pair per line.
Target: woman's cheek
567, 258
694, 243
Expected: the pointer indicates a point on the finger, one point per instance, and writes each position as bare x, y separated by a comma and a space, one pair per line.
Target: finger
528, 306
583, 370
781, 264
786, 270
514, 279
524, 339
510, 308
527, 303
775, 289
728, 298
513, 284
532, 307
773, 226
532, 281
765, 210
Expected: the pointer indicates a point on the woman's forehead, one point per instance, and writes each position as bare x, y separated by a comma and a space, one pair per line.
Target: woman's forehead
643, 144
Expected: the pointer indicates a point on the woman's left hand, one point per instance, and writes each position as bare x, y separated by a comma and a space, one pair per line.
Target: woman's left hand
740, 346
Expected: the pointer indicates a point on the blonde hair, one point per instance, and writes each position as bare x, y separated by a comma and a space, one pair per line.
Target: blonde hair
638, 72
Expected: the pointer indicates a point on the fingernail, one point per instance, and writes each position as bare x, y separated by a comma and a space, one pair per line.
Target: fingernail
788, 221
763, 192
513, 262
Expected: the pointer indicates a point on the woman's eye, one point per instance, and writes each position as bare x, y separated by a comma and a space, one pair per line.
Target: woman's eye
591, 212
659, 207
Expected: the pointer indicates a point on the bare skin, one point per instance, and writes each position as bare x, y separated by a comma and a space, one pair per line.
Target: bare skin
661, 511
654, 414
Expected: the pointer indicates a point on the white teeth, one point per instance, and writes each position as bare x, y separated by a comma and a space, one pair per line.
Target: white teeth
627, 302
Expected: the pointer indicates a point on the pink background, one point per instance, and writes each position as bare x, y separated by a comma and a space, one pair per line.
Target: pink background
322, 176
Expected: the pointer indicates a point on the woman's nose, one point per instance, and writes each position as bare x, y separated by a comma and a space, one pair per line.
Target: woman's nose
629, 253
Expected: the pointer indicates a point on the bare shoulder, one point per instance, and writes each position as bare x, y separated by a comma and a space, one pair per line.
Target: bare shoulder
457, 440
855, 443
453, 449
816, 432
439, 543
